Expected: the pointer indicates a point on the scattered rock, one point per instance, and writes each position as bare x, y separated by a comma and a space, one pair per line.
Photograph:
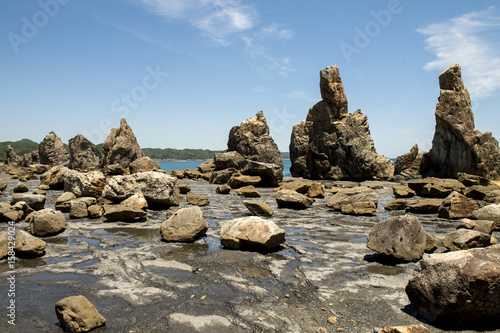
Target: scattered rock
489, 212
465, 239
258, 208
198, 200
52, 152
95, 211
333, 144
9, 213
397, 204
223, 189
228, 159
158, 188
88, 184
3, 184
424, 206
480, 192
55, 177
316, 190
456, 206
458, 286
138, 200
403, 192
406, 329
251, 232
184, 188
471, 180
4, 246
357, 200
35, 201
63, 202
248, 191
20, 188
222, 176
144, 164
123, 212
28, 246
402, 237
120, 149
477, 225
457, 146
430, 243
78, 209
83, 154
292, 199
239, 180
299, 186
47, 222
77, 314
184, 225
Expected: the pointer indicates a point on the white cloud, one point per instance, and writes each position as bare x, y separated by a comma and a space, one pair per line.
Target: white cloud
472, 40
303, 96
274, 31
215, 18
271, 63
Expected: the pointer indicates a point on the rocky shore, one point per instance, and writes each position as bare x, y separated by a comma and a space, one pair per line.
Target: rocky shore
110, 242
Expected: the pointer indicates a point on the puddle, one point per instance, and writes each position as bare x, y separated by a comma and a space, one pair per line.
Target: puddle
136, 233
86, 263
31, 263
358, 239
45, 276
56, 260
385, 270
170, 272
57, 240
104, 233
257, 272
78, 240
181, 251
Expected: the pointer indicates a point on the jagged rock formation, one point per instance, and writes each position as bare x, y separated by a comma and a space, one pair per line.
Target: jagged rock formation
457, 146
120, 149
251, 151
84, 155
407, 166
333, 144
11, 157
52, 152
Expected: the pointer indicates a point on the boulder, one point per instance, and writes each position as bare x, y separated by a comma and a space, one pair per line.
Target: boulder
184, 188
405, 329
63, 201
4, 246
116, 169
456, 206
206, 167
424, 206
430, 243
316, 190
477, 225
95, 211
198, 200
9, 213
28, 246
489, 212
397, 204
471, 180
408, 164
55, 177
403, 192
248, 191
20, 188
11, 157
299, 186
158, 188
144, 164
292, 199
239, 180
457, 146
258, 208
83, 154
121, 148
77, 314
493, 197
52, 152
401, 237
228, 159
357, 201
123, 212
138, 200
333, 144
78, 209
480, 192
177, 173
23, 208
184, 225
35, 201
251, 232
465, 239
3, 184
435, 187
459, 286
223, 189
89, 184
252, 141
222, 176
47, 222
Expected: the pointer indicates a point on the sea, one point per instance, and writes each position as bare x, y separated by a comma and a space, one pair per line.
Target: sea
182, 165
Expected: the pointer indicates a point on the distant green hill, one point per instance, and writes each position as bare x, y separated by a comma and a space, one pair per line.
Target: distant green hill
21, 147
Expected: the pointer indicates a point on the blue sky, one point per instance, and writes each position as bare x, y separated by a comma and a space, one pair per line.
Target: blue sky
183, 72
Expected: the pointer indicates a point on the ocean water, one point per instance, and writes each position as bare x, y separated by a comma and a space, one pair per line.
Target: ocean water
182, 165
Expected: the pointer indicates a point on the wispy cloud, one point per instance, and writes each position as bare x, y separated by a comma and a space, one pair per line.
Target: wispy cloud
472, 41
217, 19
302, 95
268, 62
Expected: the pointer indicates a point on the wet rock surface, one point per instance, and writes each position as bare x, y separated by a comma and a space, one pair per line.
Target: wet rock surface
140, 283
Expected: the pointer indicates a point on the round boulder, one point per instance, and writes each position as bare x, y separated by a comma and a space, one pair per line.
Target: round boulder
47, 222
251, 232
184, 225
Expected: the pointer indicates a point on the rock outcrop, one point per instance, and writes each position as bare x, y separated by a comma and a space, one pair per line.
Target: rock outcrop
458, 286
407, 166
52, 152
11, 157
120, 149
83, 154
457, 146
251, 151
333, 144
